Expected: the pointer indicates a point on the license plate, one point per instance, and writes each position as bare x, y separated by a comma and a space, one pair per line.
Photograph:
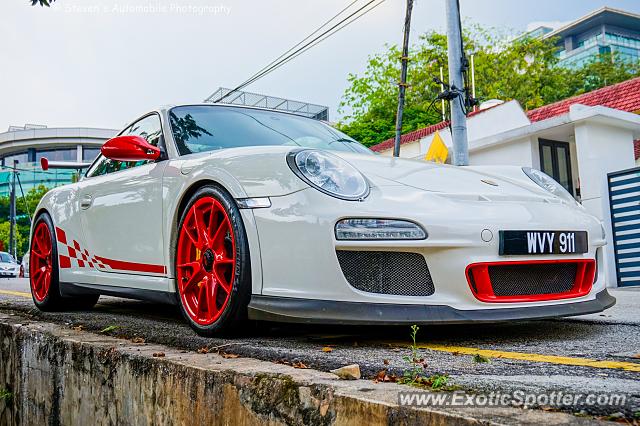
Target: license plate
543, 242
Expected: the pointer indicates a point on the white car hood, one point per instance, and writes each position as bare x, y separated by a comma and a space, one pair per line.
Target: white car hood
6, 265
444, 179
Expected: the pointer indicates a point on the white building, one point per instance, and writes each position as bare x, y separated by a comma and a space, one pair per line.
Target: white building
578, 141
30, 143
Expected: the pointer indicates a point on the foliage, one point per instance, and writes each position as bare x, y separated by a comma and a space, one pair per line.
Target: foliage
415, 374
524, 69
480, 358
417, 365
21, 237
24, 207
439, 381
6, 395
110, 328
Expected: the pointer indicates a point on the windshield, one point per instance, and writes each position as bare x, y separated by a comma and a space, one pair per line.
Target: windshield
200, 128
6, 258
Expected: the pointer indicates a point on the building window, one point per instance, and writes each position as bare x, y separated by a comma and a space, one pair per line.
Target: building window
67, 154
22, 157
89, 154
555, 161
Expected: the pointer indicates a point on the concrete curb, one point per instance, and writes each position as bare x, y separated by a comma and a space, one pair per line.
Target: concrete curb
62, 376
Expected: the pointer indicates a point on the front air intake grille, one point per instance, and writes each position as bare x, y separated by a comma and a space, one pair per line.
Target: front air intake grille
531, 281
544, 278
387, 272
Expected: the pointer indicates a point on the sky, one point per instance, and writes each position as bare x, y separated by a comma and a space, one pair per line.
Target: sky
102, 63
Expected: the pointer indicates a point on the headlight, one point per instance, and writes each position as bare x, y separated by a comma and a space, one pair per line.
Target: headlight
378, 229
329, 174
545, 181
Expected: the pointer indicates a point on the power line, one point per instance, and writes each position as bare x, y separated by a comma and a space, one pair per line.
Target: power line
282, 59
298, 53
309, 36
291, 53
311, 44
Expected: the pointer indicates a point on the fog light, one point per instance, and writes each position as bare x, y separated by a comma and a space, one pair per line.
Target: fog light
378, 229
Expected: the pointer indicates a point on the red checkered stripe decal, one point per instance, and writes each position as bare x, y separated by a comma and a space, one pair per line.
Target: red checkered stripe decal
75, 254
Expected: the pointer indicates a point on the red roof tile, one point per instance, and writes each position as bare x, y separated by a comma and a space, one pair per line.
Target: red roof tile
416, 135
411, 136
624, 96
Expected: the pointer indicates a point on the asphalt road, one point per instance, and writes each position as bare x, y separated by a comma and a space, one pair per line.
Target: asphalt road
597, 353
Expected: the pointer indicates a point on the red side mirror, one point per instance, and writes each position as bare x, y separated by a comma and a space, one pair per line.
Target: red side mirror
129, 148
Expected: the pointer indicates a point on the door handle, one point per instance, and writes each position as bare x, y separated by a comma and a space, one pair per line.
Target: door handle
85, 202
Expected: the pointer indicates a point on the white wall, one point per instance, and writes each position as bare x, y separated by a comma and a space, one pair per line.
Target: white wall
516, 153
501, 118
601, 149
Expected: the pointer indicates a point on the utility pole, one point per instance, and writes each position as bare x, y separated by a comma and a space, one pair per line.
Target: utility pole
403, 78
12, 212
456, 83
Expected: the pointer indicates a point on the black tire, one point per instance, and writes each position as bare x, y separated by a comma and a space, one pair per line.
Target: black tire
235, 314
54, 301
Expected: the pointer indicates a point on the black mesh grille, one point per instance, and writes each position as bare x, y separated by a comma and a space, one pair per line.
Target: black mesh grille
384, 272
544, 278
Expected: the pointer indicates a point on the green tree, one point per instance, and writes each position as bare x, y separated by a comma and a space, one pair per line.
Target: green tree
22, 239
24, 207
523, 69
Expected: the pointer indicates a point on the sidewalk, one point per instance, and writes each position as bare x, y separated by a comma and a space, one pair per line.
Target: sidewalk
625, 311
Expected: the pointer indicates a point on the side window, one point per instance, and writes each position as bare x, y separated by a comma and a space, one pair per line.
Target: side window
148, 128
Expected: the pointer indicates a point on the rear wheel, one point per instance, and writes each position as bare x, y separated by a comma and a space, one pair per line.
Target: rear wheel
43, 271
212, 262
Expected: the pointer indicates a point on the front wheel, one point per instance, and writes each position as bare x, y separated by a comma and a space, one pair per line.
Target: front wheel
213, 276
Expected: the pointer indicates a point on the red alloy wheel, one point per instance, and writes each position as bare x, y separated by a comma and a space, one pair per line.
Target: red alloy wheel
41, 264
206, 261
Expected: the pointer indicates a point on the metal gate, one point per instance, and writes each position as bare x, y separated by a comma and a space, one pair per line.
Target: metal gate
624, 199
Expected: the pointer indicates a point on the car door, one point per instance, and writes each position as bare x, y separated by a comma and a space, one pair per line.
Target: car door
121, 212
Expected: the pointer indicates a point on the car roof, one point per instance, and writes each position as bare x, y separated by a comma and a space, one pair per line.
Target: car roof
210, 104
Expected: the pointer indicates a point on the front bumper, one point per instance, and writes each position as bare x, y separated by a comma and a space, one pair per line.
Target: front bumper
283, 309
299, 251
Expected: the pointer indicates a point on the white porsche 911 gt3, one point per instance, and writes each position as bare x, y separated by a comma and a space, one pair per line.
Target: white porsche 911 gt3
235, 212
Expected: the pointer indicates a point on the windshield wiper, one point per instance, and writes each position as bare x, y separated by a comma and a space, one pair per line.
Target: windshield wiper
343, 140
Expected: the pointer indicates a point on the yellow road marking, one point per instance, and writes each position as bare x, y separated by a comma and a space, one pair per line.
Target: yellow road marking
551, 359
16, 293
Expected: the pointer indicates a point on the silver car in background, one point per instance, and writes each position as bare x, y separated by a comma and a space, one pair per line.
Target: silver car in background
9, 267
24, 266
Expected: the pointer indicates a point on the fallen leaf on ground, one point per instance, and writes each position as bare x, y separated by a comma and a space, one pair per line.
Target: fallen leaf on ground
203, 350
137, 340
327, 349
299, 364
158, 354
382, 376
229, 356
78, 327
109, 328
